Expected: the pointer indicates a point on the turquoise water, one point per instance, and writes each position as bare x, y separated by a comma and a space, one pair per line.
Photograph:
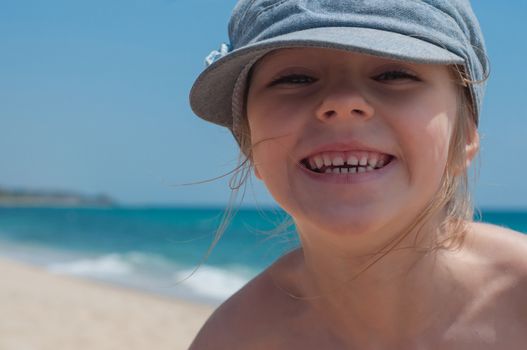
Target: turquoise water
180, 235
155, 248
516, 220
148, 248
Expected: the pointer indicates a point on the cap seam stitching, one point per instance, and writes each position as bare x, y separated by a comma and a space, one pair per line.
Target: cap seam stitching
265, 9
246, 10
452, 19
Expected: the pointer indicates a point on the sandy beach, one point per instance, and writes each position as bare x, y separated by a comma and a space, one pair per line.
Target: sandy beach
43, 311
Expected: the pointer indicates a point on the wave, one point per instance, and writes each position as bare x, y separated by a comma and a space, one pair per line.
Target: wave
156, 274
104, 266
215, 282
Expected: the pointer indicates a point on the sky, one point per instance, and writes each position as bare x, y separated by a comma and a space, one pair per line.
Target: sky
94, 99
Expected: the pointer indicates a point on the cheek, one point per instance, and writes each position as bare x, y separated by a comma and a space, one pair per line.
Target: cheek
275, 117
270, 147
438, 132
425, 132
435, 150
273, 131
271, 125
440, 129
273, 167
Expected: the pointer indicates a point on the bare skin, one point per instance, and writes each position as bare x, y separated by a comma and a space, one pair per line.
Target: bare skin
326, 295
480, 305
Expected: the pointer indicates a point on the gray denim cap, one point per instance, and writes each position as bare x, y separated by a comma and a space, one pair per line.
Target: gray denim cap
419, 31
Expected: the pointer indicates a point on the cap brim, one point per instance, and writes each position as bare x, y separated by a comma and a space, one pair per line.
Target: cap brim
211, 94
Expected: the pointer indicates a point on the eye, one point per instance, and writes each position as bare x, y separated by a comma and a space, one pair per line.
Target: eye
395, 75
293, 79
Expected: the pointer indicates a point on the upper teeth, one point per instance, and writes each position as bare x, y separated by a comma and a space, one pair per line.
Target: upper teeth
364, 160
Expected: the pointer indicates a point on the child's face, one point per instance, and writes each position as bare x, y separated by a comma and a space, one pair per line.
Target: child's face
305, 105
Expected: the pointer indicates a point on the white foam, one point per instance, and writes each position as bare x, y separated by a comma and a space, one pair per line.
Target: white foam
104, 266
154, 273
213, 282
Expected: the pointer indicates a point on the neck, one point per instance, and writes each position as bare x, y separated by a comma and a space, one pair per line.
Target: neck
388, 297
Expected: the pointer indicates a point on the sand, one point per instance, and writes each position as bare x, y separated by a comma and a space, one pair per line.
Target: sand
39, 310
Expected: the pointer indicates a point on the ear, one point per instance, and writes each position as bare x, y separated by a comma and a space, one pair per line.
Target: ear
472, 146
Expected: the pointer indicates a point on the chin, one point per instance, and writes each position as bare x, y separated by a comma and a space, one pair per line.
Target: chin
342, 224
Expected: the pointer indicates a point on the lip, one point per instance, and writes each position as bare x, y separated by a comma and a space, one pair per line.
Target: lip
350, 178
342, 147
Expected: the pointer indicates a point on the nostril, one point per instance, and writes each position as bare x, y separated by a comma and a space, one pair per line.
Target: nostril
330, 114
358, 111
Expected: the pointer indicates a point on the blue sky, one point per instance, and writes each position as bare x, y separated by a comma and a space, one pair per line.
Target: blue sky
93, 98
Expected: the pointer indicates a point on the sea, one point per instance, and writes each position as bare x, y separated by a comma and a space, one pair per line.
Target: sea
174, 252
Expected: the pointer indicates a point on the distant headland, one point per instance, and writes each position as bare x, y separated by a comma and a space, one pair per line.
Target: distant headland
30, 197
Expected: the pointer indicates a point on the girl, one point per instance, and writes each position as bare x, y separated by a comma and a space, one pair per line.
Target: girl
361, 117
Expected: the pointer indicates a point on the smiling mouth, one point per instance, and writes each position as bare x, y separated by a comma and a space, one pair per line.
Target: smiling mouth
346, 162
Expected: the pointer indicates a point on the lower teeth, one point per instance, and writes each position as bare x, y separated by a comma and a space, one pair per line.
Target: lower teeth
348, 170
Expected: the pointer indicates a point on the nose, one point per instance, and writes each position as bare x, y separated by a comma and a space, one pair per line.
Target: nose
344, 103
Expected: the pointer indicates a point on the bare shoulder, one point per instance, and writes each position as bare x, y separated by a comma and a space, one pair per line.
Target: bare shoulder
250, 317
506, 247
504, 251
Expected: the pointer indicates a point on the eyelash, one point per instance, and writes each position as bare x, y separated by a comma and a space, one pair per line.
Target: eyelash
292, 79
398, 74
297, 79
